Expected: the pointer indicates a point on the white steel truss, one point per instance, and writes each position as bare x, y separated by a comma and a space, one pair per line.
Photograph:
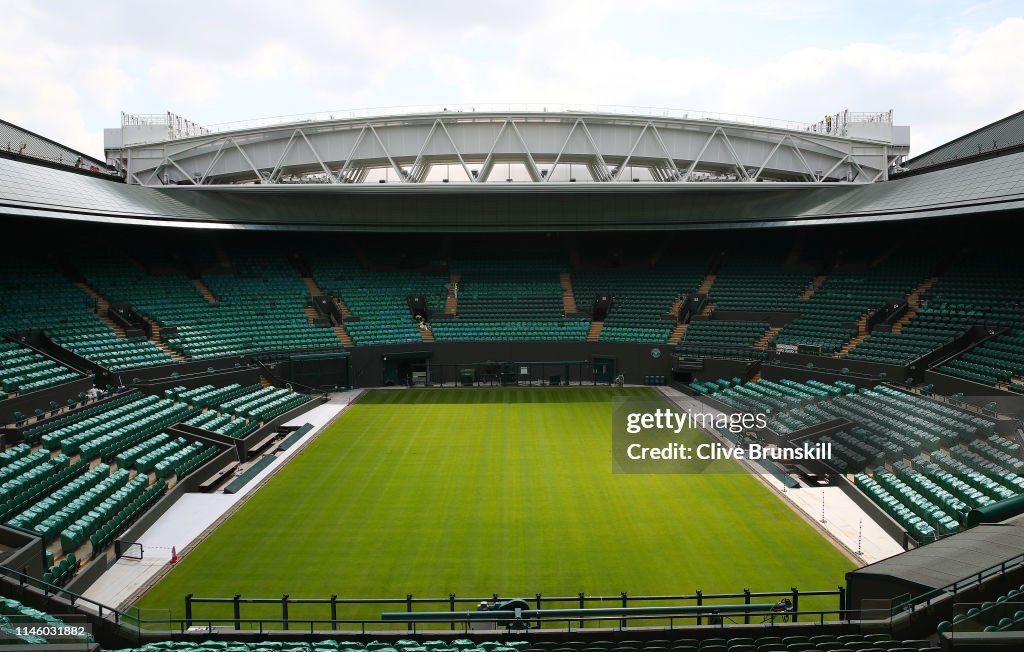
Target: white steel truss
544, 146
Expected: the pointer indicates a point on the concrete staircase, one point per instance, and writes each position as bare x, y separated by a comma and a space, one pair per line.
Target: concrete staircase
677, 333
809, 292
102, 306
160, 344
594, 334
705, 288
346, 339
311, 313
705, 285
154, 337
762, 343
568, 298
426, 336
913, 303
205, 291
343, 308
314, 289
862, 332
451, 302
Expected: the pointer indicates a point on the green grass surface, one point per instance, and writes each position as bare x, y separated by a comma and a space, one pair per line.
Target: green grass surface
476, 491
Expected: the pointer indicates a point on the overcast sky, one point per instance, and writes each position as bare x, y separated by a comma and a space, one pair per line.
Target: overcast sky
67, 69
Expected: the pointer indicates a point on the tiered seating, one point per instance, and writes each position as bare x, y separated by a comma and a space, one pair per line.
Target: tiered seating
510, 300
23, 370
34, 434
828, 319
133, 501
46, 494
923, 333
750, 283
996, 361
67, 309
263, 404
32, 475
68, 317
1004, 614
639, 298
102, 508
117, 428
260, 309
165, 456
206, 395
59, 574
931, 495
719, 336
14, 613
57, 511
988, 286
985, 289
379, 299
235, 410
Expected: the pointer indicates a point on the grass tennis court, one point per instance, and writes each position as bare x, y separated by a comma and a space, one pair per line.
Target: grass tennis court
477, 491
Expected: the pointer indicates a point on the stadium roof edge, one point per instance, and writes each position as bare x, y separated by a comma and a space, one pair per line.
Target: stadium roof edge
33, 191
948, 154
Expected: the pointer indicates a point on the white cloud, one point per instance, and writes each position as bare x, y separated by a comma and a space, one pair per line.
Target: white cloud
66, 70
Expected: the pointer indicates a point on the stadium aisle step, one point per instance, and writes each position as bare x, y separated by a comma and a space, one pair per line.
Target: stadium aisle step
914, 303
677, 334
427, 336
102, 306
346, 339
451, 302
343, 307
595, 331
568, 296
314, 289
762, 343
809, 292
862, 332
154, 337
205, 291
705, 285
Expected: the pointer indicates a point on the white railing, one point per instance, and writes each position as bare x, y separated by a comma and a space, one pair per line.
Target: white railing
177, 126
402, 111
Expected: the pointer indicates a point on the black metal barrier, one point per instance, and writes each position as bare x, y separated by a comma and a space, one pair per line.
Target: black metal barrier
706, 608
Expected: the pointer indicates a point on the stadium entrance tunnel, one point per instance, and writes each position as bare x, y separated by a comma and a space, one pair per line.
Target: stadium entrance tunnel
417, 369
407, 368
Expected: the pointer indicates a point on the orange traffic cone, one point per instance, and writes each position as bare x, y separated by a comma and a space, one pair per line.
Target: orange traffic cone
174, 555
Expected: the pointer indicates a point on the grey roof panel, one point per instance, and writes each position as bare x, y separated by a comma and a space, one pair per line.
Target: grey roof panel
990, 185
27, 186
954, 558
1002, 134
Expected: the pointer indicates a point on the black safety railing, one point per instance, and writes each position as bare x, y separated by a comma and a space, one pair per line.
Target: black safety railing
909, 602
692, 609
709, 609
